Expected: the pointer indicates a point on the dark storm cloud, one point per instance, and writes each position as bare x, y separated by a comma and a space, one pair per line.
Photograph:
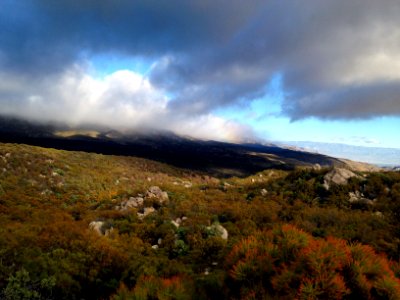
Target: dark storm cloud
337, 59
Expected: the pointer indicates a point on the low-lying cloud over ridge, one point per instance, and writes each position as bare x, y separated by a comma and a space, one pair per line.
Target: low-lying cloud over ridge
337, 59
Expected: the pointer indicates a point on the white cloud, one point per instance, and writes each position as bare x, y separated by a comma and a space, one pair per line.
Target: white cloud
122, 100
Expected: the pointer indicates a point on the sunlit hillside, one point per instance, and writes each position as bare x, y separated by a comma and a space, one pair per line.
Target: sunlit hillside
76, 225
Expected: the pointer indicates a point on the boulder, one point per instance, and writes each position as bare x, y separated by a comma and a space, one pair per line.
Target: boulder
218, 230
338, 176
316, 167
96, 226
134, 202
187, 184
155, 192
175, 223
146, 212
358, 197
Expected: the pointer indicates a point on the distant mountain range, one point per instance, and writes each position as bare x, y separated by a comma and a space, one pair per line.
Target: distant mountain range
385, 157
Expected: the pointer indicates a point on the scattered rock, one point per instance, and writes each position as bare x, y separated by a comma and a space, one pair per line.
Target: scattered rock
378, 214
155, 247
207, 271
159, 241
338, 176
264, 192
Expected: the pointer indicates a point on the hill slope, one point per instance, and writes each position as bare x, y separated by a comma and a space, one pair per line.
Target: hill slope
76, 225
215, 158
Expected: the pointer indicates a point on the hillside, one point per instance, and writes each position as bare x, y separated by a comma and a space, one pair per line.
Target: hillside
77, 225
214, 158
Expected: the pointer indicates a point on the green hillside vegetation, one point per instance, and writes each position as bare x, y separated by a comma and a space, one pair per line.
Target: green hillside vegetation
288, 236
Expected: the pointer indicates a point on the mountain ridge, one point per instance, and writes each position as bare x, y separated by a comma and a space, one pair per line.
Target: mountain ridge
218, 158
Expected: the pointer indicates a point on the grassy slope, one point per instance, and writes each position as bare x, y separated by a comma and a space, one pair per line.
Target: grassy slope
48, 197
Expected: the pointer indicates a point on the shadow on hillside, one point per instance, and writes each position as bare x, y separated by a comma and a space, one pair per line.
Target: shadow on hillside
215, 158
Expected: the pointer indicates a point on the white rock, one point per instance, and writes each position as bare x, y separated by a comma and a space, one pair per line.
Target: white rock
316, 167
357, 197
96, 226
146, 212
187, 184
155, 192
175, 223
219, 230
338, 176
132, 202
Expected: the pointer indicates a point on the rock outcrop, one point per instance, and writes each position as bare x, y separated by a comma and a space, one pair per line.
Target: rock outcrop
155, 192
357, 197
338, 176
132, 202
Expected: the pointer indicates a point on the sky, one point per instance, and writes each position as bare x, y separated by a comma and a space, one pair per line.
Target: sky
277, 70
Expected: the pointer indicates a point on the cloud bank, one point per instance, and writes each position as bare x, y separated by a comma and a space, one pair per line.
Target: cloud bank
337, 60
